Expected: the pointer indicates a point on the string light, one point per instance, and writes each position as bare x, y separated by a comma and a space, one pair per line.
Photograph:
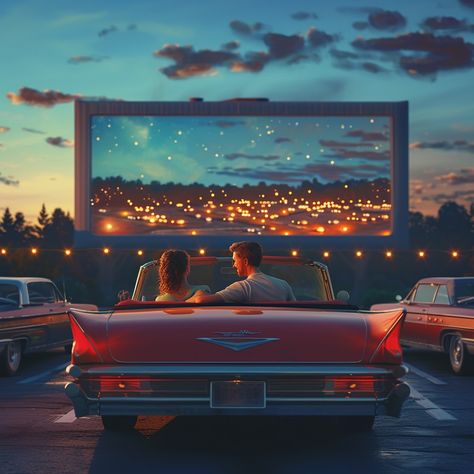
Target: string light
421, 254
106, 250
202, 252
67, 252
389, 254
3, 251
326, 254
140, 252
34, 250
294, 253
359, 254
454, 254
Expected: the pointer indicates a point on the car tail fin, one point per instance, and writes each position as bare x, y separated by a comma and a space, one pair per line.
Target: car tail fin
87, 328
386, 327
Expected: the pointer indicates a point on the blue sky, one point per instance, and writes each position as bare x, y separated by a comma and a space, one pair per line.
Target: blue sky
166, 50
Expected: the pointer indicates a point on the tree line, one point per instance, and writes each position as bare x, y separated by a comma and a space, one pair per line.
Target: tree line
49, 231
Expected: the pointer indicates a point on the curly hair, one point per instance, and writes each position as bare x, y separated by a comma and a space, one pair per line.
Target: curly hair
172, 271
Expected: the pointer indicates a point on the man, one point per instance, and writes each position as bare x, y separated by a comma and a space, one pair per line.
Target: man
256, 287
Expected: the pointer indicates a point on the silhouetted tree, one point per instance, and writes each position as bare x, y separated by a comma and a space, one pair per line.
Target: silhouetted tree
43, 220
59, 232
454, 225
13, 230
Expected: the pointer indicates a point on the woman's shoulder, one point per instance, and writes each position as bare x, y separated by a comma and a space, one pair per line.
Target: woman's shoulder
165, 297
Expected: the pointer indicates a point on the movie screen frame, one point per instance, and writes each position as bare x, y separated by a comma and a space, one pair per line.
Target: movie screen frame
229, 215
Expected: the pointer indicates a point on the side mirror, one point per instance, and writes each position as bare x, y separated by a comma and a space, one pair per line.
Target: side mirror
398, 298
343, 295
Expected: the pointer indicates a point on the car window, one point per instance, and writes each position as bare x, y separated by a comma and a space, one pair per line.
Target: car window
306, 281
10, 292
465, 292
442, 295
42, 292
425, 293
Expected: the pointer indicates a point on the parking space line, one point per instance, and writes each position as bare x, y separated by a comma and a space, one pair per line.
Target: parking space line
69, 417
431, 408
426, 376
45, 374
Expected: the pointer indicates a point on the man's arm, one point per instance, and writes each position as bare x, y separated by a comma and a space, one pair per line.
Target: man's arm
203, 297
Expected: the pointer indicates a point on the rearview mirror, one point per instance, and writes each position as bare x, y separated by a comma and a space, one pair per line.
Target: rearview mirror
343, 295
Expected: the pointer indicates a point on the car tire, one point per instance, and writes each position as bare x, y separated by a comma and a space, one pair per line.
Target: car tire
10, 359
462, 362
359, 424
119, 423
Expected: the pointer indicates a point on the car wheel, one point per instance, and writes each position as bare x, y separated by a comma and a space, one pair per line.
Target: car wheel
119, 423
461, 360
359, 424
11, 358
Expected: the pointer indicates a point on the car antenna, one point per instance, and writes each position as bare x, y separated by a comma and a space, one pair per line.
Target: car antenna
64, 289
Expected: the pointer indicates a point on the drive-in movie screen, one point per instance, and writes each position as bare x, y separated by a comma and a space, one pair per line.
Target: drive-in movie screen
241, 175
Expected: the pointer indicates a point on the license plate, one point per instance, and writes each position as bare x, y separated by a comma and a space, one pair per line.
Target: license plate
238, 394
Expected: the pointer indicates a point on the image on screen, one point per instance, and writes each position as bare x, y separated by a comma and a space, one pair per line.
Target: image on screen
228, 175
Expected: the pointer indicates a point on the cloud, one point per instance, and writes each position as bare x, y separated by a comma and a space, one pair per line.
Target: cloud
464, 176
8, 180
60, 142
47, 98
107, 31
303, 16
318, 38
282, 140
339, 54
297, 174
467, 3
454, 196
367, 136
360, 25
365, 155
86, 59
387, 20
253, 62
235, 156
282, 46
189, 63
335, 144
4, 129
433, 53
246, 29
231, 45
444, 23
33, 130
227, 123
458, 145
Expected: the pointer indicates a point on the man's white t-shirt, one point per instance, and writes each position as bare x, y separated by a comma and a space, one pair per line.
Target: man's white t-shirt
257, 287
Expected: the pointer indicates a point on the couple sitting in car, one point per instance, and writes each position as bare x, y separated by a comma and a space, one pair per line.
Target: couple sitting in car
246, 257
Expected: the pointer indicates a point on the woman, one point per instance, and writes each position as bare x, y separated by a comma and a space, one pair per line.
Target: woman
173, 273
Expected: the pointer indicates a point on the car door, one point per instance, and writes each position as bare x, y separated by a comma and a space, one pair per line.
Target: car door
436, 316
44, 293
417, 307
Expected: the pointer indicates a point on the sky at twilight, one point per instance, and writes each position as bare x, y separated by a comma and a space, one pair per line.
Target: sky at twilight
55, 51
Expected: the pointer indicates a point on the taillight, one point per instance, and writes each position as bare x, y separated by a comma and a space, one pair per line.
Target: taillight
389, 351
83, 350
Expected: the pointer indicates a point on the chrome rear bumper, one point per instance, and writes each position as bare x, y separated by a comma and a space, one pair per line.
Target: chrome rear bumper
390, 404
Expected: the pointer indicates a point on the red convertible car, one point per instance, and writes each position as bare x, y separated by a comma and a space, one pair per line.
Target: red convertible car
440, 317
313, 356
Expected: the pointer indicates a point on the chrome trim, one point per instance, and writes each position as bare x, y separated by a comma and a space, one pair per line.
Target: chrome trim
202, 369
326, 399
150, 399
229, 343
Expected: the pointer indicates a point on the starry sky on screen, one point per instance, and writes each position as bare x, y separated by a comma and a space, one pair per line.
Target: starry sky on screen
54, 52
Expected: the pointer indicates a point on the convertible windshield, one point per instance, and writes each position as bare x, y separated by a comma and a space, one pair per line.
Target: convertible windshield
309, 281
